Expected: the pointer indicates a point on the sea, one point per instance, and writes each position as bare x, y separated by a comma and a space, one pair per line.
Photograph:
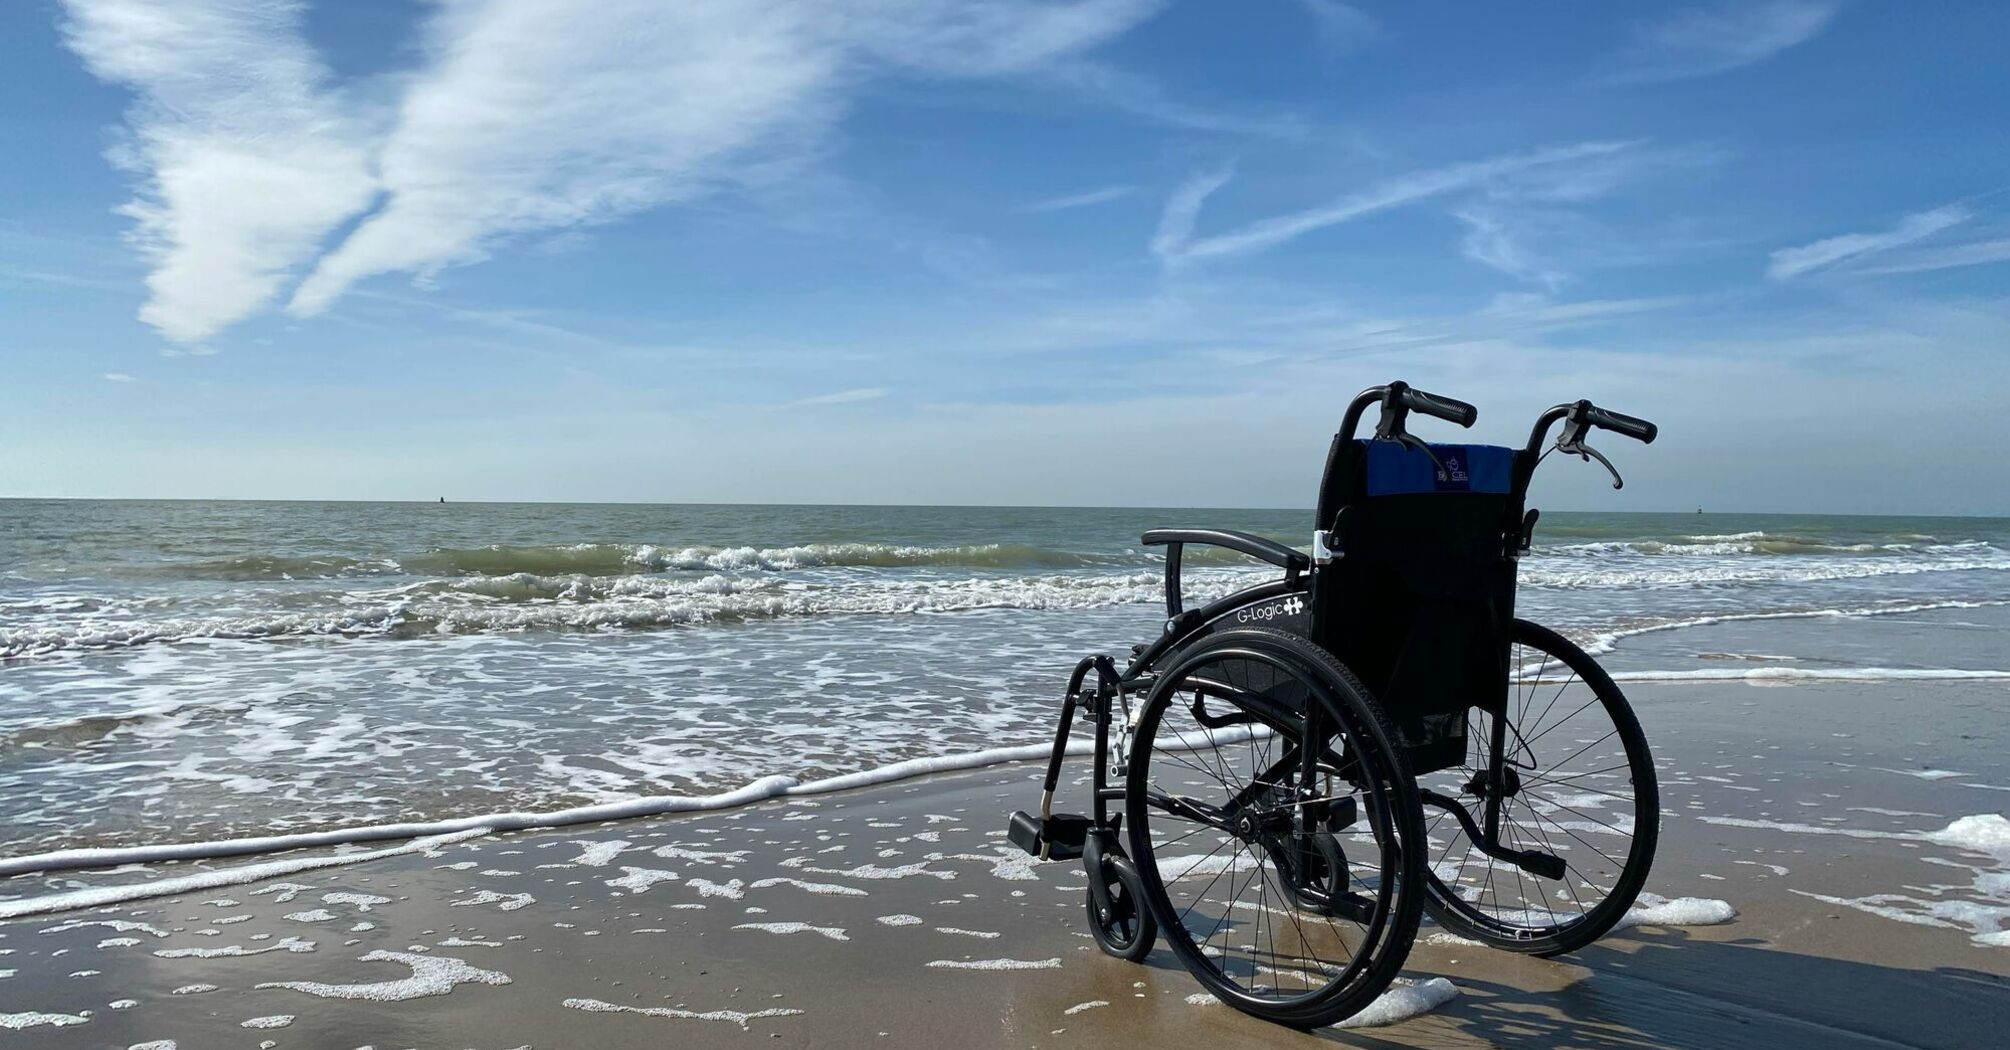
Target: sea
187, 671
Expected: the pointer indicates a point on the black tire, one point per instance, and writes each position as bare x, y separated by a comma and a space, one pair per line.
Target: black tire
1589, 798
1361, 911
1125, 927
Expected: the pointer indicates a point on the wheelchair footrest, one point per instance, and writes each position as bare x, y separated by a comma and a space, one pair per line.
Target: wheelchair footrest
1538, 863
1061, 834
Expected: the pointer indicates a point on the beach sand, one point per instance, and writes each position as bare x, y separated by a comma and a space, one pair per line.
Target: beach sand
897, 916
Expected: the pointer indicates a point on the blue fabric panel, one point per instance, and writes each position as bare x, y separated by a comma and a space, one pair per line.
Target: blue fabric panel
1394, 470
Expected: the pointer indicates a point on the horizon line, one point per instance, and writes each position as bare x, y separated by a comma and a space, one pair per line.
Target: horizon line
438, 501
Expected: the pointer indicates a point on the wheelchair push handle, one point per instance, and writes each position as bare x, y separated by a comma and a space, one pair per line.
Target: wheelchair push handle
1448, 409
1619, 423
1398, 399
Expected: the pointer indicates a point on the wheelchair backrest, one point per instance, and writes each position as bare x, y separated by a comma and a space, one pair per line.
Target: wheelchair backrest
1418, 599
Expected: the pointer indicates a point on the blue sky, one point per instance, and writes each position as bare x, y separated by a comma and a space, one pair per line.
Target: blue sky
1103, 252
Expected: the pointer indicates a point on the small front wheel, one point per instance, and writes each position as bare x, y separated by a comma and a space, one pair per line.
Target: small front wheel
1123, 926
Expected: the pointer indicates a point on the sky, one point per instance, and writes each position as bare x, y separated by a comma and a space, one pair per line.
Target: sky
1103, 252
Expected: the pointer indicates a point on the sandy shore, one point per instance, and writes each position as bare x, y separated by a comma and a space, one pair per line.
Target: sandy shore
896, 916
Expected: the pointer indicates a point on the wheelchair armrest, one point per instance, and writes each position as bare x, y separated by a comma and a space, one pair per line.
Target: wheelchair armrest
1291, 561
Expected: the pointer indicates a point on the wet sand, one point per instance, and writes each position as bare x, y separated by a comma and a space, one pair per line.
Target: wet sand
896, 915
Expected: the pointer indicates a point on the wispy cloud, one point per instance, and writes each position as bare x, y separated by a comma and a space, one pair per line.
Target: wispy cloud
842, 397
1491, 241
1717, 39
1174, 242
1977, 253
522, 118
531, 118
1182, 210
1146, 98
1080, 200
1342, 27
1788, 263
119, 377
245, 157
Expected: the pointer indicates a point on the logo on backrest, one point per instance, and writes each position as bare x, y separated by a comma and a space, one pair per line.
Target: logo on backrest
1453, 474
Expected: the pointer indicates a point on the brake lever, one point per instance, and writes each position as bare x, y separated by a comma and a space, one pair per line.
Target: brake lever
1587, 453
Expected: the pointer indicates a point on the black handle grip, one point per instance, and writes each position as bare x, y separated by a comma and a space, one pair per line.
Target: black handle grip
1445, 408
1619, 423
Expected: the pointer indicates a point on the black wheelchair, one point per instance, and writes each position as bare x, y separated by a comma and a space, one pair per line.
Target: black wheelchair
1306, 766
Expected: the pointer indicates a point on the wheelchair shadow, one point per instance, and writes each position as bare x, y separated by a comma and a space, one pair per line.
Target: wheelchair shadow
1670, 989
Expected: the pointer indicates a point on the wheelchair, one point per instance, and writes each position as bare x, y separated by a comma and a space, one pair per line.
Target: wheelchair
1286, 779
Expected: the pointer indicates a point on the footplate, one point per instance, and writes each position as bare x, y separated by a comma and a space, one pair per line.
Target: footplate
1059, 837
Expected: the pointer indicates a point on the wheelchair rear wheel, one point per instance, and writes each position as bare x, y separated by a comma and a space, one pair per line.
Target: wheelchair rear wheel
1576, 782
1275, 828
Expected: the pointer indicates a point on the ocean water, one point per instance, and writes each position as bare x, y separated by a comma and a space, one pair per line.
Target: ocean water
180, 671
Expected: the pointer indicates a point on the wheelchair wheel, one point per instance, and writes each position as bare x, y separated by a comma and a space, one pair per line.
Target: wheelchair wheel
1275, 827
1118, 918
1578, 784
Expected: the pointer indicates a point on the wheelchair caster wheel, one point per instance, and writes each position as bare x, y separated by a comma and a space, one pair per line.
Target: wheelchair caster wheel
1118, 917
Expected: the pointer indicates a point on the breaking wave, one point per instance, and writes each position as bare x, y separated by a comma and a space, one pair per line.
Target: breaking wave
523, 602
616, 559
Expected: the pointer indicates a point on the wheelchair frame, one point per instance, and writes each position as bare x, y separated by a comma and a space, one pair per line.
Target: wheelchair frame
1288, 604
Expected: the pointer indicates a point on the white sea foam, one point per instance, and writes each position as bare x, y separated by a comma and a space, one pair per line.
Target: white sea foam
900, 920
995, 964
834, 933
638, 880
431, 975
232, 951
1404, 1000
104, 895
1819, 674
272, 1021
35, 1019
829, 889
361, 901
732, 889
317, 915
1985, 910
502, 901
733, 1016
1652, 910
121, 925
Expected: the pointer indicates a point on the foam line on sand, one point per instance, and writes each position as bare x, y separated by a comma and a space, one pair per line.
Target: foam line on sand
206, 880
773, 786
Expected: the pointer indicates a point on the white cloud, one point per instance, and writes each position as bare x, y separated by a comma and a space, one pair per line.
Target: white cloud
1145, 97
1705, 41
1793, 262
529, 117
245, 157
1080, 200
522, 117
1183, 209
1490, 241
1555, 164
119, 377
842, 397
1342, 27
1977, 253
